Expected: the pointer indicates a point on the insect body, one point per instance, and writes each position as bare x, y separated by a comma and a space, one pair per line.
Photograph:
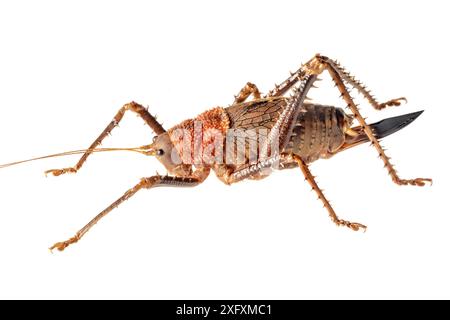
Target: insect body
250, 139
318, 131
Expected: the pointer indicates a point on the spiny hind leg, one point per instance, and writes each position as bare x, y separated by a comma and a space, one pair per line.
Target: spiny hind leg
310, 178
280, 89
345, 76
246, 91
286, 85
316, 66
132, 106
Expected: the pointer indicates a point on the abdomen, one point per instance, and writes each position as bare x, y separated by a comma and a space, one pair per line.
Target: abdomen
317, 132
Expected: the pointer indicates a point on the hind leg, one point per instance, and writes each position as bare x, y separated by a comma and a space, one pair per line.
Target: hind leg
319, 64
345, 76
314, 64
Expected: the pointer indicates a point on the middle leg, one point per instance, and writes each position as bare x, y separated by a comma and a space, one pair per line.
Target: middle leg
228, 175
246, 91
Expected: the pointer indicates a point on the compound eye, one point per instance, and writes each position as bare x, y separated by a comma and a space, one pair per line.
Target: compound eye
160, 152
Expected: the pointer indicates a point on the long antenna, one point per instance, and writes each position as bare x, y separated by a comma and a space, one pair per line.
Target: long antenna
142, 150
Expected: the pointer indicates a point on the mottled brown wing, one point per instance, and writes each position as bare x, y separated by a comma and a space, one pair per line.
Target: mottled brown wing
258, 114
248, 123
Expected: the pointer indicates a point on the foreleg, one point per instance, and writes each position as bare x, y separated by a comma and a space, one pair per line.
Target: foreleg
146, 183
132, 106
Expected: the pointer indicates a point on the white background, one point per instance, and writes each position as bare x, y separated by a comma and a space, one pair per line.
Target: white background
66, 68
